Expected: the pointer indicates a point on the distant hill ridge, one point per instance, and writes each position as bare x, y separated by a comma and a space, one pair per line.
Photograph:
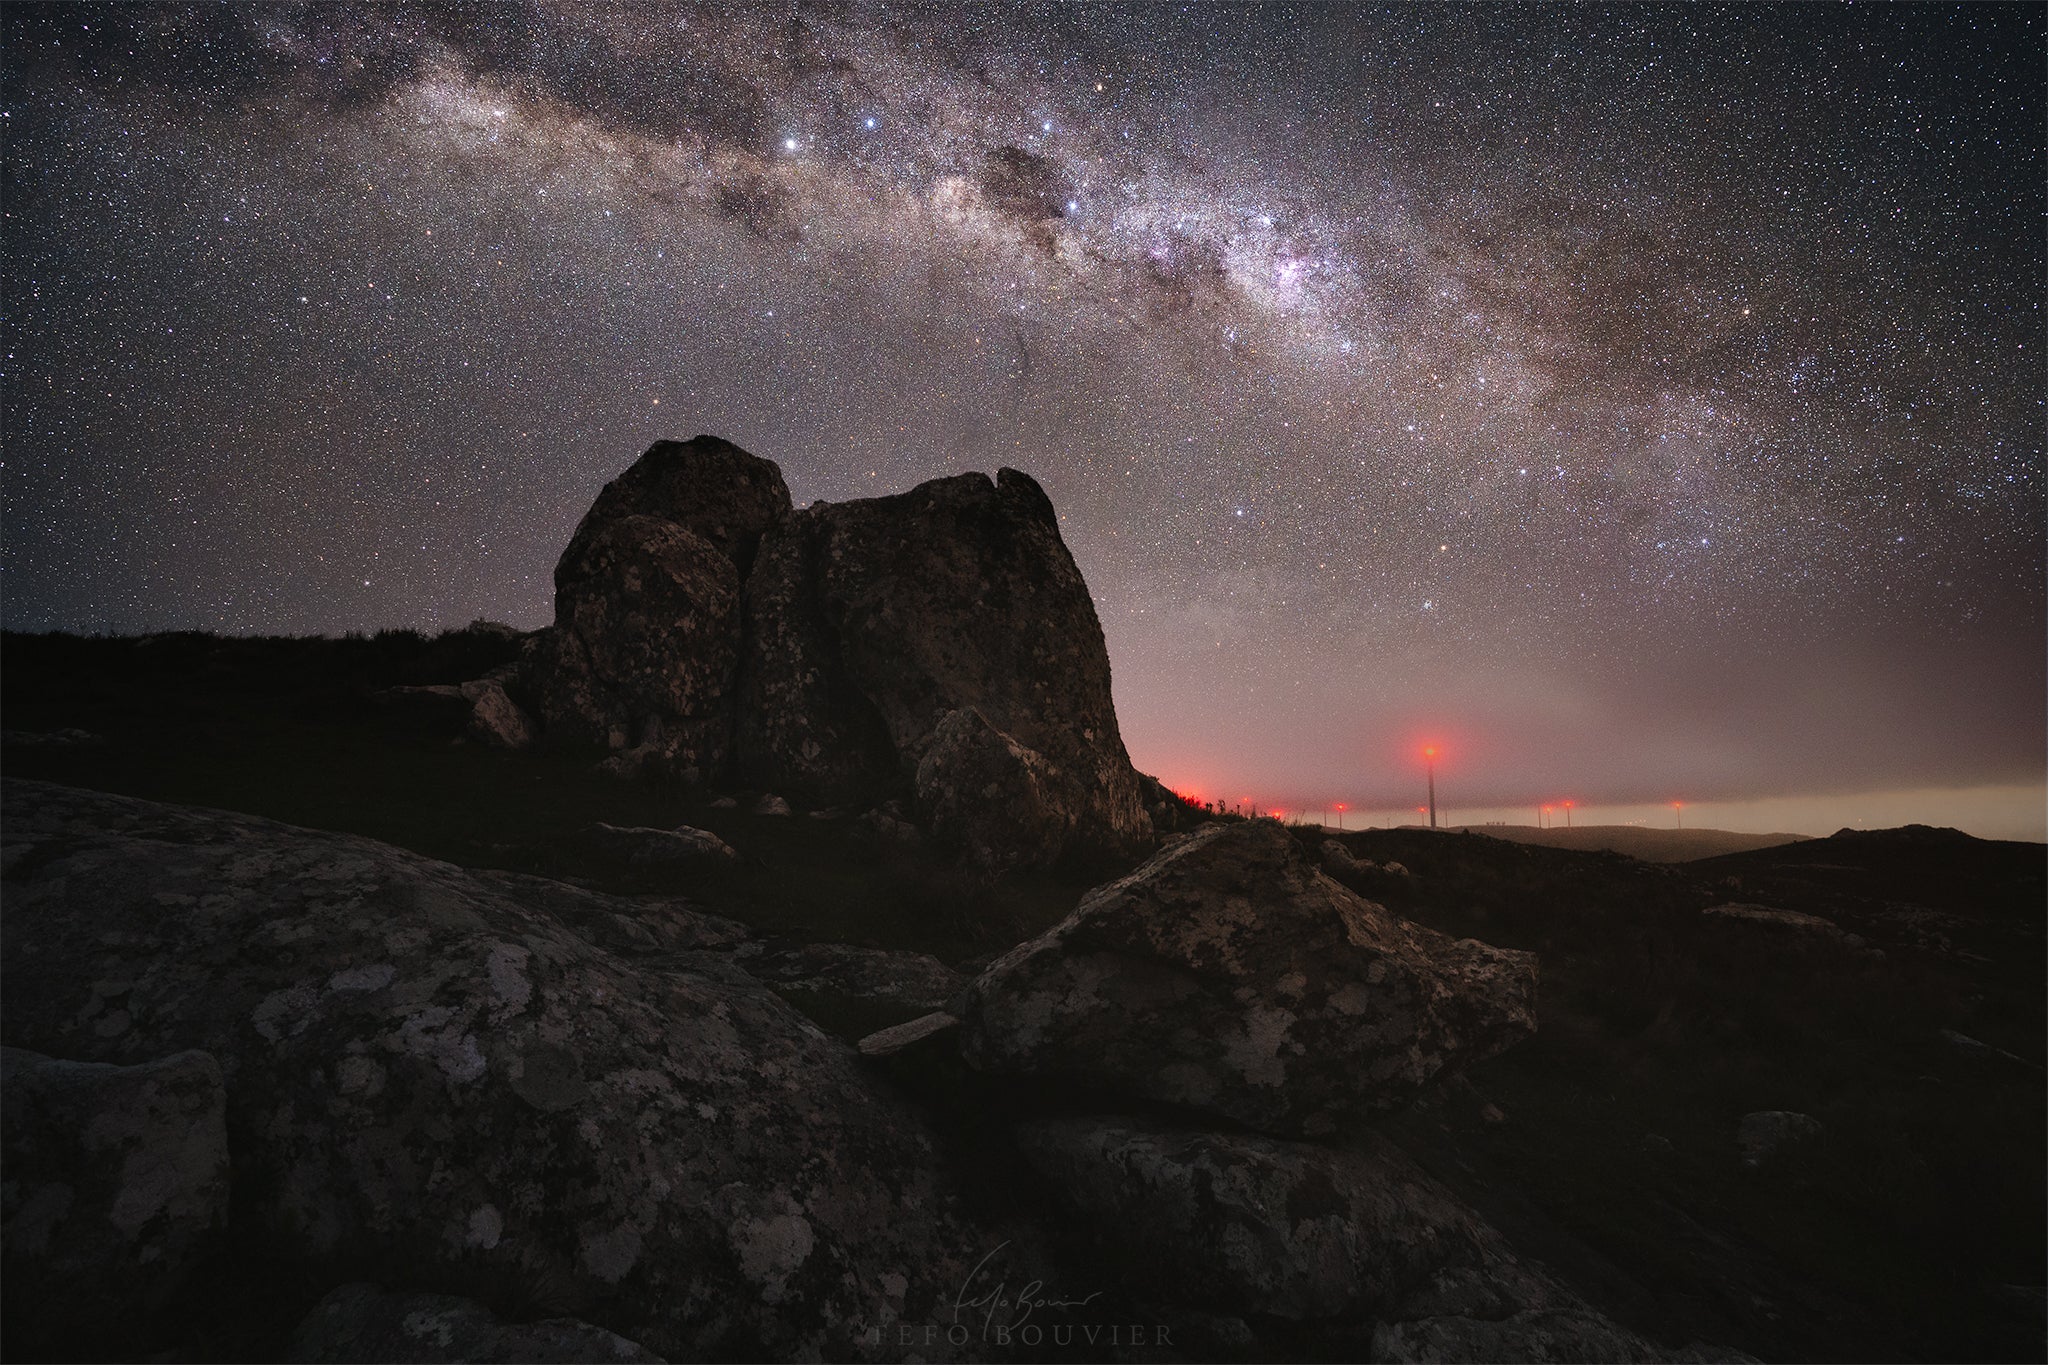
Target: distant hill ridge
1651, 845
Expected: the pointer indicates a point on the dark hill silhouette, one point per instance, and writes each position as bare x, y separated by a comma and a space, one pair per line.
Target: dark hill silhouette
1942, 869
1639, 841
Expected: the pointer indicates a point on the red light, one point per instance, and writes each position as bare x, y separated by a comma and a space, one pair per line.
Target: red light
1429, 751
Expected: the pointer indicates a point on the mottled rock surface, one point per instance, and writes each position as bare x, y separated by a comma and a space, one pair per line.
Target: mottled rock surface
709, 487
495, 718
441, 1070
644, 646
1000, 803
1776, 1138
1245, 1224
913, 982
360, 1322
643, 652
1361, 1235
113, 1181
1228, 975
874, 621
938, 644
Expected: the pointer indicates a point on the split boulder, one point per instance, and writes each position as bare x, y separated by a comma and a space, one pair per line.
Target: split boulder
1228, 975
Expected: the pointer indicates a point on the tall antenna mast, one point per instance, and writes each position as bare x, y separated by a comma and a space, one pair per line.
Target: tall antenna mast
1429, 754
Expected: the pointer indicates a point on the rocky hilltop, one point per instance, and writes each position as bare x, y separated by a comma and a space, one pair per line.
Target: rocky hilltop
490, 1055
937, 648
553, 1124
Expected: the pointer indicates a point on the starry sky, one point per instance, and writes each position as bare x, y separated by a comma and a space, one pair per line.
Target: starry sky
1641, 403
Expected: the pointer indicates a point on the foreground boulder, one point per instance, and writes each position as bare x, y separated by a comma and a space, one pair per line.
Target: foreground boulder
1228, 975
1246, 1224
1357, 1238
432, 1070
115, 1184
1352, 1239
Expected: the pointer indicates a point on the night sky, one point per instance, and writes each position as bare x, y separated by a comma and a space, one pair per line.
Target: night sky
1644, 404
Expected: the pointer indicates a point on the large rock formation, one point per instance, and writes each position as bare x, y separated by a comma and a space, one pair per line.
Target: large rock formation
948, 624
646, 640
938, 646
1228, 975
441, 1073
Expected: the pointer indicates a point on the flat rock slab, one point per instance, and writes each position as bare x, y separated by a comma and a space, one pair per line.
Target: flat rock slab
1770, 919
644, 847
360, 1322
915, 1033
1228, 975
